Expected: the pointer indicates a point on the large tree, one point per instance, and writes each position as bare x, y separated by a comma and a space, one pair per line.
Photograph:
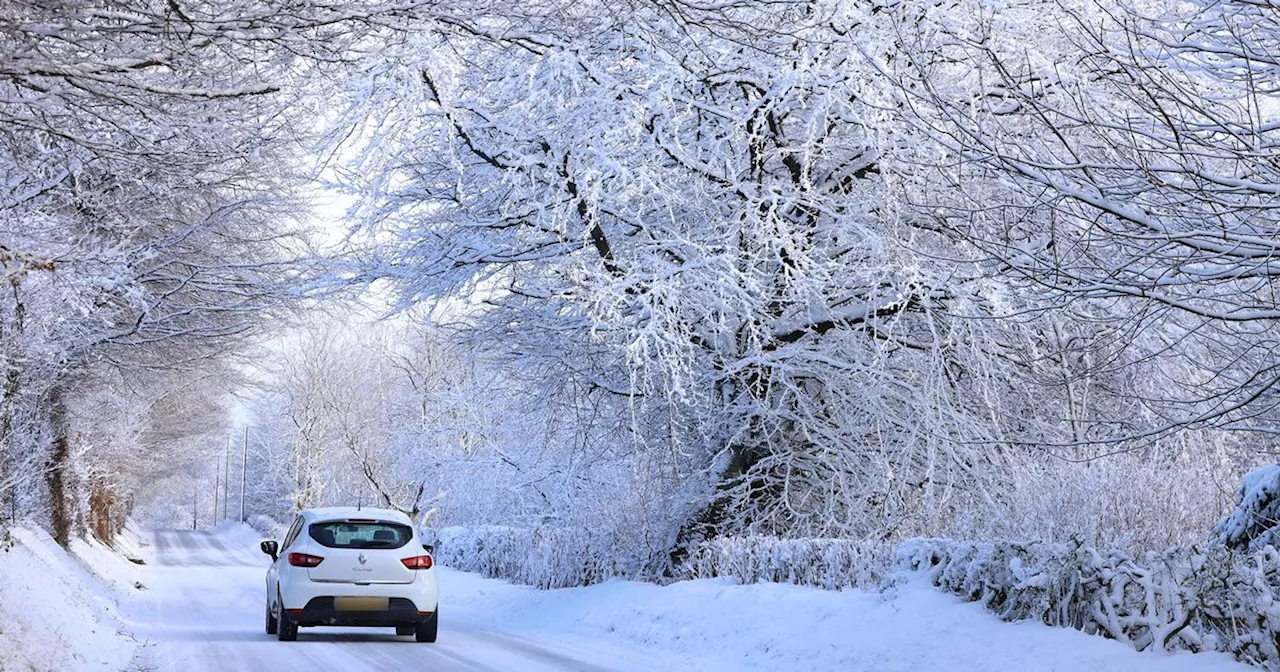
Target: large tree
698, 190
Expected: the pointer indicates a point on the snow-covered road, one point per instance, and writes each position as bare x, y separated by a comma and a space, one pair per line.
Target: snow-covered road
203, 610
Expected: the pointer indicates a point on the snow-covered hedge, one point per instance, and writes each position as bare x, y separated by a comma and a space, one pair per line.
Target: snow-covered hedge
556, 557
1183, 599
546, 557
833, 564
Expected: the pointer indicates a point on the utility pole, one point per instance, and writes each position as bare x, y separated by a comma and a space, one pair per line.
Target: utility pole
244, 470
226, 475
217, 476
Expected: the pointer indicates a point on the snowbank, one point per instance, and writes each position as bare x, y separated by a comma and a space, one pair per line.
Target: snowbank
55, 614
245, 537
715, 624
267, 527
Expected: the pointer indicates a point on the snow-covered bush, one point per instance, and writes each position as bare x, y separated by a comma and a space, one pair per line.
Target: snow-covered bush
1253, 523
268, 526
833, 564
1182, 599
557, 557
546, 557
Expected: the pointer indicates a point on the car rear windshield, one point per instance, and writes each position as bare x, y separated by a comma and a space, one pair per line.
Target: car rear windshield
360, 534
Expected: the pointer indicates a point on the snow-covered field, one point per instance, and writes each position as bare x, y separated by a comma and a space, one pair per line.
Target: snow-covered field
199, 608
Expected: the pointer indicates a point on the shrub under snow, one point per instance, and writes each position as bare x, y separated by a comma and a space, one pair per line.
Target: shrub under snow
546, 557
833, 564
559, 557
1184, 599
1253, 523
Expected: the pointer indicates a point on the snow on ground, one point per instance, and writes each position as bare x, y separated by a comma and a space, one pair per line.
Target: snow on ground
54, 614
197, 605
715, 625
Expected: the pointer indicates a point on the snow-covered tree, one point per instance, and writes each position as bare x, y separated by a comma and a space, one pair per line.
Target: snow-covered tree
145, 149
1125, 168
795, 225
700, 195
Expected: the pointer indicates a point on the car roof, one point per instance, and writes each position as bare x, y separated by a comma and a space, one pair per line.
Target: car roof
351, 512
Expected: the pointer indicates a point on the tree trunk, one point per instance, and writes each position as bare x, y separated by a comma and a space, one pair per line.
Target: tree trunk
713, 519
8, 399
8, 449
106, 513
57, 474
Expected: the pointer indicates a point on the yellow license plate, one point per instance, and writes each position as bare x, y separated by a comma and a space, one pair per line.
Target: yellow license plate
360, 603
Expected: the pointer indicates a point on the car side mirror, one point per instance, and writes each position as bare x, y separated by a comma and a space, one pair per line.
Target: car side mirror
429, 548
271, 548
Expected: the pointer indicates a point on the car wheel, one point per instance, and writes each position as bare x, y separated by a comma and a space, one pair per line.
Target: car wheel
426, 632
405, 629
272, 624
287, 627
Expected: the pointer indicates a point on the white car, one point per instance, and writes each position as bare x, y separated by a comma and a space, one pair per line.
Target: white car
350, 566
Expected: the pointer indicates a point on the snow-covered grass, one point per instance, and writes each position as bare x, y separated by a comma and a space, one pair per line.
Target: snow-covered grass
717, 624
54, 613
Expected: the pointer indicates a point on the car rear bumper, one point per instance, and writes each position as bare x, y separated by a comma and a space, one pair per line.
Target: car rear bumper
321, 611
297, 590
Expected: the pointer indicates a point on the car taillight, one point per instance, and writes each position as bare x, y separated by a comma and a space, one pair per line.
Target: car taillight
304, 560
418, 562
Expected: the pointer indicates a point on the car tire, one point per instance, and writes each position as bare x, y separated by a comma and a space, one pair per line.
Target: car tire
403, 630
287, 627
426, 632
272, 624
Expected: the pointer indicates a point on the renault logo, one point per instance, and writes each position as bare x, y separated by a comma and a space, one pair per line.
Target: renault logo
363, 558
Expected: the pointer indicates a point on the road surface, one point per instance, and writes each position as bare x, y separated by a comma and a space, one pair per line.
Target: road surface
203, 610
